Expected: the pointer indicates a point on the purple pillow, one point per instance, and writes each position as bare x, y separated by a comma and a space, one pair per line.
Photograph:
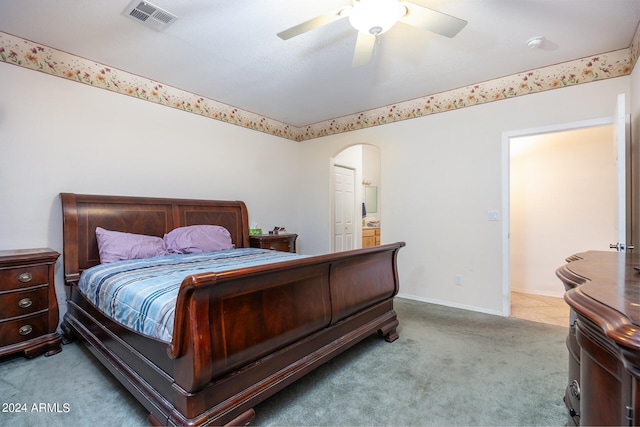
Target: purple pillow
117, 246
195, 239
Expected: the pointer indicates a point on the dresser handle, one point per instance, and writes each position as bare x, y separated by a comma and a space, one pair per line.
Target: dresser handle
25, 330
25, 303
25, 277
574, 388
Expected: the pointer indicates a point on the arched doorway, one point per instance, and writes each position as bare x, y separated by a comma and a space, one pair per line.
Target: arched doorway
356, 185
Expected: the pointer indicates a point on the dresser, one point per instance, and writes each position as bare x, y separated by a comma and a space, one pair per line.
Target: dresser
28, 304
279, 242
603, 291
370, 237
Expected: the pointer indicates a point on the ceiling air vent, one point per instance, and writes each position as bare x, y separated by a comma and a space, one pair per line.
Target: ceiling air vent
150, 15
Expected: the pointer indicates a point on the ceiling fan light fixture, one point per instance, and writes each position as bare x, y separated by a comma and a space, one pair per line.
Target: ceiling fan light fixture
375, 16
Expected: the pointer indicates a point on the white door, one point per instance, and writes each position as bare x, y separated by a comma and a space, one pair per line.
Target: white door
621, 141
344, 202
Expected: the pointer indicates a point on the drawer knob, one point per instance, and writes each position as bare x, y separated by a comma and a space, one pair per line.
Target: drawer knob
25, 277
25, 303
25, 330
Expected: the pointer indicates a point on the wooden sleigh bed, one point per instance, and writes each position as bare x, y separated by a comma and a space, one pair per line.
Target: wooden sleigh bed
238, 336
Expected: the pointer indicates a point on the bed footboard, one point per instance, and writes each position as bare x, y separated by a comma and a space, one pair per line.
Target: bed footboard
249, 333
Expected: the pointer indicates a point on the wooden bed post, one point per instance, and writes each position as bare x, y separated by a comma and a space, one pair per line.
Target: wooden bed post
191, 345
70, 235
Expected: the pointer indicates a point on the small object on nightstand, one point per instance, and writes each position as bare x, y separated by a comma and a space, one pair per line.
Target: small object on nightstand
28, 303
276, 242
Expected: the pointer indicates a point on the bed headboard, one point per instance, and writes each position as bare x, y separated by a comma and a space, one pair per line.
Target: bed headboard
82, 213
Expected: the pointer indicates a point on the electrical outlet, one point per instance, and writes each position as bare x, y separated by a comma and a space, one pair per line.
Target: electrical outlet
458, 279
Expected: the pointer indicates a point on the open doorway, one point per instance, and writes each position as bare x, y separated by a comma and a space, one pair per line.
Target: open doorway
562, 200
356, 186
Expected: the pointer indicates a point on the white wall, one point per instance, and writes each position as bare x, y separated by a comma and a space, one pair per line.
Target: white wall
60, 136
563, 201
441, 175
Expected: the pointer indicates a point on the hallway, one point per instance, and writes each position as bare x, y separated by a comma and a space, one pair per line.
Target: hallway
538, 308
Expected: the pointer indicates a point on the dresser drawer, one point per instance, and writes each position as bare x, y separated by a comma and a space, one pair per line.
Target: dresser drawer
23, 329
22, 277
21, 303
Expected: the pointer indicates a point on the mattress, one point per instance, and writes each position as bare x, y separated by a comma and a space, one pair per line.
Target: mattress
141, 294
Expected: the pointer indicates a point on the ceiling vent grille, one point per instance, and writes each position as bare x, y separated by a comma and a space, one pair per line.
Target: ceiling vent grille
150, 15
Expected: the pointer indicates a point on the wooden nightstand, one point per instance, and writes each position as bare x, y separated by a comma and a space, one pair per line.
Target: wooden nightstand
277, 242
28, 304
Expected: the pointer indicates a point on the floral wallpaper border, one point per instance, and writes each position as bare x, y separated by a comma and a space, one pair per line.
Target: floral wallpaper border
34, 56
604, 66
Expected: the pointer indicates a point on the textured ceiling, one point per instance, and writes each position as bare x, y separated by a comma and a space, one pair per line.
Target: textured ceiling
228, 51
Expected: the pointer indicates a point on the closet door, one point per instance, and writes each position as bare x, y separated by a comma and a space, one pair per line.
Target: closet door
344, 202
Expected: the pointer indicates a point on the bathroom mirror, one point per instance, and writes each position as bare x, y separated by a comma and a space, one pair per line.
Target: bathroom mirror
371, 199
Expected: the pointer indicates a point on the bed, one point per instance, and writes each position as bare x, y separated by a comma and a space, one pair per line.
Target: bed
240, 335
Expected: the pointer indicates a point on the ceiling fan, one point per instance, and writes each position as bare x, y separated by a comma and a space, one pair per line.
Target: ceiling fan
374, 17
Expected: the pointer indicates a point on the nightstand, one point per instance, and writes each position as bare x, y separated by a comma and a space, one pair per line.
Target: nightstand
277, 242
28, 304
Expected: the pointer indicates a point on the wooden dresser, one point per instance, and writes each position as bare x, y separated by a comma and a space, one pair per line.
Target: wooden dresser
603, 291
28, 304
370, 237
277, 242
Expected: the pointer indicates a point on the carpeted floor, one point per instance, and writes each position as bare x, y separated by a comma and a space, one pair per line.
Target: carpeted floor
449, 367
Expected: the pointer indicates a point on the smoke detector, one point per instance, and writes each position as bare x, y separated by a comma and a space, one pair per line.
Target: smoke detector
150, 15
535, 42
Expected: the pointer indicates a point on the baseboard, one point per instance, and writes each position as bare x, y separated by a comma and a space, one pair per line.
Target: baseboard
451, 304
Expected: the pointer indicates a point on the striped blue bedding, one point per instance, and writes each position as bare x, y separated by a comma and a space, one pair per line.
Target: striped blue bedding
141, 294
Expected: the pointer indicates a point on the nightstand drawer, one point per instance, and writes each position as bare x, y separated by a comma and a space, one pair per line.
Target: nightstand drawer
21, 303
278, 245
23, 277
275, 242
23, 329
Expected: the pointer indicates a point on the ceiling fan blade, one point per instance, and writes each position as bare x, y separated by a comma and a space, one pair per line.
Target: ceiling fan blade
364, 48
314, 23
432, 20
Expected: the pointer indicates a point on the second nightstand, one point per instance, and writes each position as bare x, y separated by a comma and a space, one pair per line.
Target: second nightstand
277, 242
